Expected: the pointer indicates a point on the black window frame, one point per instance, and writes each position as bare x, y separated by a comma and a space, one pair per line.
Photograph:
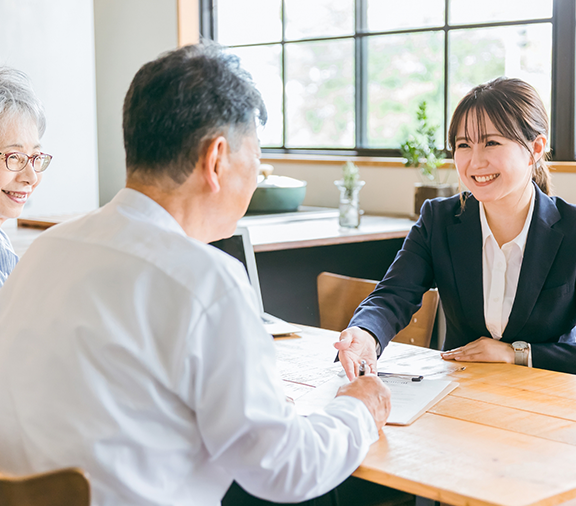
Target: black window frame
562, 128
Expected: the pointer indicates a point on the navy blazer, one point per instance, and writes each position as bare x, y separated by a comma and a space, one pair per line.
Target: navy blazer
444, 248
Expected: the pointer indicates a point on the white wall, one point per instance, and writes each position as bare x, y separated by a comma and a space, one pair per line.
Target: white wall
388, 190
564, 185
53, 42
128, 33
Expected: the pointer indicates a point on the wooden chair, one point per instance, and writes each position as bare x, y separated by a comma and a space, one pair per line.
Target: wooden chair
64, 487
339, 296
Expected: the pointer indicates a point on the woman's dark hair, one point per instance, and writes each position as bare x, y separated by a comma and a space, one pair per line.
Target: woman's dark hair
182, 100
517, 112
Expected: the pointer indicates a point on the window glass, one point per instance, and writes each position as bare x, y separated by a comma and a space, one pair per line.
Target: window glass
249, 21
466, 12
320, 94
404, 70
264, 64
318, 18
313, 104
385, 16
478, 55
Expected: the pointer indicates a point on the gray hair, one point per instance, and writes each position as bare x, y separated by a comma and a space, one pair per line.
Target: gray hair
18, 97
178, 102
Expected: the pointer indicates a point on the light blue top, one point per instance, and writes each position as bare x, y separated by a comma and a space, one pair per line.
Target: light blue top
8, 259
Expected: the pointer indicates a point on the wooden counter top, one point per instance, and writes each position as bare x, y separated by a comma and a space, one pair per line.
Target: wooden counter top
324, 232
267, 233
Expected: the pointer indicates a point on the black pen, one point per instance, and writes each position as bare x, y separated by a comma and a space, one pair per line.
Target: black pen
362, 368
411, 377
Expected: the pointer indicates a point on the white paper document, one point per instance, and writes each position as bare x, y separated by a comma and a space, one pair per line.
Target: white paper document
410, 399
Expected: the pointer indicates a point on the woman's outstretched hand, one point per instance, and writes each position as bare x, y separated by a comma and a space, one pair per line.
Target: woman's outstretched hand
354, 346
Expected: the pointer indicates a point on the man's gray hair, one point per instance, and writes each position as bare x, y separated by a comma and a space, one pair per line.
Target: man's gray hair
18, 98
181, 100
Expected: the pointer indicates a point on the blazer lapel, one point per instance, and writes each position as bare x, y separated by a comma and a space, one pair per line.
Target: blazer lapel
465, 244
542, 245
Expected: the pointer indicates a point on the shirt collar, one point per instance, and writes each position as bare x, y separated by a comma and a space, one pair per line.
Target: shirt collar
135, 202
520, 239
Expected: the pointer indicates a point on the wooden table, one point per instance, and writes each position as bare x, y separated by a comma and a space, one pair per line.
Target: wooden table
506, 436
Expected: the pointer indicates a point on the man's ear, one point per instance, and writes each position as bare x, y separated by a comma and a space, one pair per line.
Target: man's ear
213, 161
538, 148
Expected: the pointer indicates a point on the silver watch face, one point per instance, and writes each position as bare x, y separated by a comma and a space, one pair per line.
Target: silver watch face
520, 346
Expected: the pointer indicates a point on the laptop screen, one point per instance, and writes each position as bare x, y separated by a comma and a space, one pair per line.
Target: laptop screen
240, 247
234, 246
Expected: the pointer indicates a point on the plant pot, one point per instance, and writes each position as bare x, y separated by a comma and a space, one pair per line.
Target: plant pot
423, 191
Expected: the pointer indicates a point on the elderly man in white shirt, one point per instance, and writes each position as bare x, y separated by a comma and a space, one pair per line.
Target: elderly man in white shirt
134, 350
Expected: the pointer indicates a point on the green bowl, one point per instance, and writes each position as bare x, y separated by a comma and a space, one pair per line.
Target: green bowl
277, 199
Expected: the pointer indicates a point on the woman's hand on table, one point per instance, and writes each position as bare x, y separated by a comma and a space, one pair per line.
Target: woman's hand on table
354, 346
484, 349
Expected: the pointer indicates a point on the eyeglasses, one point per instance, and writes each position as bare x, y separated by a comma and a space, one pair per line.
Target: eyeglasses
16, 161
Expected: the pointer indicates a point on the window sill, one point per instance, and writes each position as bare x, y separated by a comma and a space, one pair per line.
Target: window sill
376, 161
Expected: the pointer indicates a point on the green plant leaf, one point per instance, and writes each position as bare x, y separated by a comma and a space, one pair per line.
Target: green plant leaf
420, 149
350, 175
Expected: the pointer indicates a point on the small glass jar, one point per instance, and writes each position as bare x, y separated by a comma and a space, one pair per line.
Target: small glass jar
349, 204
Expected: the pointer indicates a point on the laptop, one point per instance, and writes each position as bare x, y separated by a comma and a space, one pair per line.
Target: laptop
240, 247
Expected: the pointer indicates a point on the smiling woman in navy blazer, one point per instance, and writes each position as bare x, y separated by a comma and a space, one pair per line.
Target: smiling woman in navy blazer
503, 255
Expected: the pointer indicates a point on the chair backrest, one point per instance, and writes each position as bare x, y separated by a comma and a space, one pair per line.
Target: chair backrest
339, 296
64, 487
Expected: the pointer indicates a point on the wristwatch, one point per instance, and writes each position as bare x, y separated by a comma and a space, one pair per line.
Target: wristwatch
521, 350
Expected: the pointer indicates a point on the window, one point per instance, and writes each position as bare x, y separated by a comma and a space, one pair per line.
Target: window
346, 76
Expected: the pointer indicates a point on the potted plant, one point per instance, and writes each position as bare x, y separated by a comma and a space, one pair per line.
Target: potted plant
420, 151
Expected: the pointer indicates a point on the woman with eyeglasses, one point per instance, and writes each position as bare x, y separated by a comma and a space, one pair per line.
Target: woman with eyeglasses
22, 124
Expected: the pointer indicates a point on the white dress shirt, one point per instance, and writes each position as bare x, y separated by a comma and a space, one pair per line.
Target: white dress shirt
137, 353
501, 271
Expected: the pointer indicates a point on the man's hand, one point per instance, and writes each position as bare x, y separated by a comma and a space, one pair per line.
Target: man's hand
373, 393
354, 346
484, 349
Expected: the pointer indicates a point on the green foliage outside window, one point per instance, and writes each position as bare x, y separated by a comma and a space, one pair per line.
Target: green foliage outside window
313, 86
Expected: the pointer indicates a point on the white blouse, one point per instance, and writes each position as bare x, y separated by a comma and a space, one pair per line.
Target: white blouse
501, 271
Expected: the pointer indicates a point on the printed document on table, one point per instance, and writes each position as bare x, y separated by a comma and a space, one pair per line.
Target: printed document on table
410, 399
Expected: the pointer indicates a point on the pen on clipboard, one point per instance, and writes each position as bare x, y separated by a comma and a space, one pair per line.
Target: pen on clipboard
411, 377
